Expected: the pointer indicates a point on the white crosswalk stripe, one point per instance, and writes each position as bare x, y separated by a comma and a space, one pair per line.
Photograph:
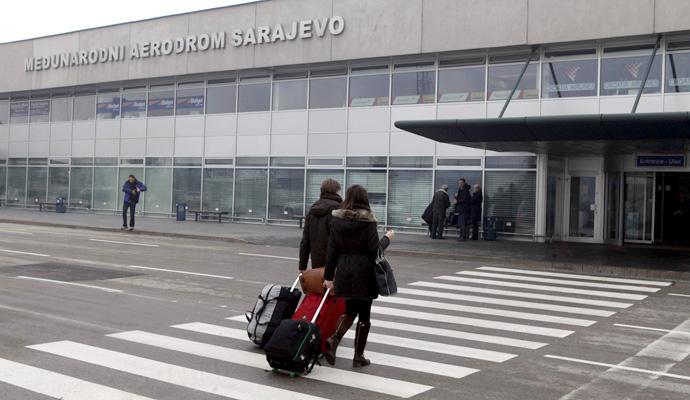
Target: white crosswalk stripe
576, 276
58, 386
368, 382
173, 374
545, 288
510, 303
560, 281
523, 295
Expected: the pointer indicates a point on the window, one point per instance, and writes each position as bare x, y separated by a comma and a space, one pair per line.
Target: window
218, 188
451, 177
250, 193
286, 194
314, 179
19, 112
61, 109
290, 95
569, 78
3, 180
108, 106
409, 192
677, 73
16, 185
255, 97
106, 187
624, 75
187, 187
221, 99
502, 80
81, 182
509, 196
37, 185
158, 195
39, 110
371, 90
133, 104
367, 162
287, 161
161, 102
411, 162
58, 183
328, 93
515, 162
375, 183
4, 112
189, 101
414, 87
461, 84
84, 107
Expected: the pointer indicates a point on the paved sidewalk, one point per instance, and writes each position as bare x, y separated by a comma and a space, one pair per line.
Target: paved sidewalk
592, 258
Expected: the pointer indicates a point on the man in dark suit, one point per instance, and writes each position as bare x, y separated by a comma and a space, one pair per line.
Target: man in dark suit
462, 208
439, 205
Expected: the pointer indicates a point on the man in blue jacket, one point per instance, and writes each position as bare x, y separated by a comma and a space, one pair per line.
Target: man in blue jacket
133, 189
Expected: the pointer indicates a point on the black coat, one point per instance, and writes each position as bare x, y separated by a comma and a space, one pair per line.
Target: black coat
317, 229
440, 203
428, 215
476, 207
463, 201
352, 250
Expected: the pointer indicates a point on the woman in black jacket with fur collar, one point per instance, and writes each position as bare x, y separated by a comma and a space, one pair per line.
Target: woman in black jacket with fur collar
350, 260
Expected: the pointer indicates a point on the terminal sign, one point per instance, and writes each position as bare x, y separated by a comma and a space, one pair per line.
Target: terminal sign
661, 161
305, 29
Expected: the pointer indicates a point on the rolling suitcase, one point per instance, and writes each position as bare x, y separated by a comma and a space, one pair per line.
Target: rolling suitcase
275, 304
295, 346
333, 307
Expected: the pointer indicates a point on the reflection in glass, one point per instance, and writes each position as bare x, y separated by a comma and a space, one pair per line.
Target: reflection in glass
582, 206
60, 109
108, 106
639, 206
678, 73
624, 75
369, 90
569, 79
134, 105
290, 95
510, 197
250, 193
84, 107
414, 87
328, 93
161, 103
158, 195
187, 187
58, 183
4, 112
81, 182
218, 188
286, 194
16, 185
220, 99
374, 182
39, 110
462, 84
189, 101
409, 192
255, 97
37, 185
106, 188
502, 80
19, 112
3, 180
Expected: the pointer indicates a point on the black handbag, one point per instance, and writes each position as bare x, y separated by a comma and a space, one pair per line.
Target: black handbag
385, 280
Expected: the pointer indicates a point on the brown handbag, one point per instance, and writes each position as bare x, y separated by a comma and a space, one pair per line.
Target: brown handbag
312, 281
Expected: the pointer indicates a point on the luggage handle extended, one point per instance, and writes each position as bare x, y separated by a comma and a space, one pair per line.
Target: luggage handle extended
318, 310
292, 289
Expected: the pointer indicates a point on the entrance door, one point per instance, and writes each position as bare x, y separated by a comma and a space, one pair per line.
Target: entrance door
639, 208
583, 224
672, 208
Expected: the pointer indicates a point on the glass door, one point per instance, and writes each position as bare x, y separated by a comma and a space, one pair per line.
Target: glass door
582, 207
639, 208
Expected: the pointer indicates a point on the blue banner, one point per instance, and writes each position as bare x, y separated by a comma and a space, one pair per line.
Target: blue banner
191, 102
111, 107
133, 106
167, 103
661, 161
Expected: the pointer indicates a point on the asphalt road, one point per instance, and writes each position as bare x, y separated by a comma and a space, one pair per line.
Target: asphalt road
101, 316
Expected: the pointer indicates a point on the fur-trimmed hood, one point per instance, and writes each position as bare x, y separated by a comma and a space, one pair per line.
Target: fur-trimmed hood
354, 215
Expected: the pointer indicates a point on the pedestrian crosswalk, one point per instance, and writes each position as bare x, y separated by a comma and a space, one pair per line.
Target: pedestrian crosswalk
439, 331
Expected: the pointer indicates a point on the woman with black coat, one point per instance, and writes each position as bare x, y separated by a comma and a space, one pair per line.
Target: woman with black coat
350, 263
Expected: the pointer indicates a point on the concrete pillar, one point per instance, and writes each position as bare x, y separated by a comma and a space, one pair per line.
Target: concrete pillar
541, 201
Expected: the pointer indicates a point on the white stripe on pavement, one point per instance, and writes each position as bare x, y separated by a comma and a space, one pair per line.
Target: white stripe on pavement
173, 374
647, 328
559, 289
559, 281
352, 379
268, 256
577, 276
58, 386
127, 243
411, 364
482, 323
174, 271
621, 367
26, 253
509, 303
524, 295
487, 311
105, 289
17, 232
679, 295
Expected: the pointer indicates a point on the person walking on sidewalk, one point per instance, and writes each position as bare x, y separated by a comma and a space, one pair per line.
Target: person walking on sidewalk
133, 190
350, 262
462, 208
317, 226
439, 204
476, 210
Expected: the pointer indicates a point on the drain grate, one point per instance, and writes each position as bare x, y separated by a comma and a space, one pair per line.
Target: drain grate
65, 272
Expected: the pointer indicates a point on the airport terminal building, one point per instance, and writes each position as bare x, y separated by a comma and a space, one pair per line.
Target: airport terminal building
246, 109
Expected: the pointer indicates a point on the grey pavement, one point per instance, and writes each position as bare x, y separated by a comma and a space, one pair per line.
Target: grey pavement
101, 315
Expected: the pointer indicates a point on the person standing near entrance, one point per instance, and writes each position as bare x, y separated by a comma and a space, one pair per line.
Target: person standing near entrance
462, 208
476, 210
439, 205
133, 190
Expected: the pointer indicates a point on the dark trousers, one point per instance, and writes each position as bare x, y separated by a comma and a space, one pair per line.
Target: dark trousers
358, 306
462, 227
132, 207
437, 226
475, 230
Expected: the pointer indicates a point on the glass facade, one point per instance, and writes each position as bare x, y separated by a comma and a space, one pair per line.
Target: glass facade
108, 106
369, 90
461, 84
677, 73
106, 188
502, 79
328, 93
286, 194
221, 98
58, 183
569, 78
134, 104
290, 95
374, 181
60, 109
414, 87
314, 179
255, 97
250, 193
408, 195
16, 185
81, 186
84, 107
218, 189
187, 187
623, 75
36, 186
158, 196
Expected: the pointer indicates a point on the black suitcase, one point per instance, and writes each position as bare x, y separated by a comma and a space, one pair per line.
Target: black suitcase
275, 304
295, 346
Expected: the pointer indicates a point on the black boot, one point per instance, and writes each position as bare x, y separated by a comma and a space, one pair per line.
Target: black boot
360, 343
341, 327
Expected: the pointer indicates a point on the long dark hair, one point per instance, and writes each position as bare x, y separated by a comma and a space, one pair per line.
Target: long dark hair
356, 198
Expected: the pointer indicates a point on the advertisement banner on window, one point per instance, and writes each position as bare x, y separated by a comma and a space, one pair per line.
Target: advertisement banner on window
19, 109
109, 107
133, 106
191, 102
40, 107
161, 104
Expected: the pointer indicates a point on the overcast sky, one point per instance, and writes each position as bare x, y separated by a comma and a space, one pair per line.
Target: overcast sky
26, 19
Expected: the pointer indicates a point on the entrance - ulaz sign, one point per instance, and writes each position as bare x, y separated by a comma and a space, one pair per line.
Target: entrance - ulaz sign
304, 29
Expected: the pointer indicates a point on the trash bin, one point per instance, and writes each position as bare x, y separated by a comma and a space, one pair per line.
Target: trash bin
181, 211
60, 206
490, 228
